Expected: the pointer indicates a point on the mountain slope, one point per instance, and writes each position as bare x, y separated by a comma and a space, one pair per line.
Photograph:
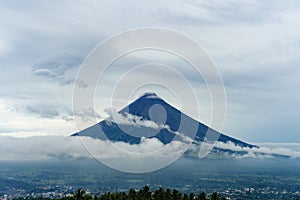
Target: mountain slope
151, 108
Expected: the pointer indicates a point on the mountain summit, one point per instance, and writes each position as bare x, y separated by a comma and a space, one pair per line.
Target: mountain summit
150, 116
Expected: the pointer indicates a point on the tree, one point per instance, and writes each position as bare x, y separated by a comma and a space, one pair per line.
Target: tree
185, 197
87, 197
176, 195
191, 196
201, 196
144, 193
132, 194
79, 194
214, 196
105, 196
158, 194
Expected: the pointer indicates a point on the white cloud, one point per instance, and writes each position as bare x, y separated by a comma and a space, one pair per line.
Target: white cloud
40, 148
59, 147
265, 150
149, 155
15, 122
129, 119
47, 147
44, 72
137, 121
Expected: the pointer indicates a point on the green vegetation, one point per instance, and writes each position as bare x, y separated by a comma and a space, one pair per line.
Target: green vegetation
146, 194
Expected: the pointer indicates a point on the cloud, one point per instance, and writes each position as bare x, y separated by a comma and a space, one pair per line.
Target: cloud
130, 119
43, 111
32, 119
149, 155
266, 150
59, 69
44, 72
60, 147
47, 147
88, 115
130, 124
40, 148
215, 12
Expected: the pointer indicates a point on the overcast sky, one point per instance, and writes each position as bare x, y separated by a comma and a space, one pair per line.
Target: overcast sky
254, 44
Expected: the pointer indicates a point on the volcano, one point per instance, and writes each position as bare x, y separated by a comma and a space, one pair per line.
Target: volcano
152, 117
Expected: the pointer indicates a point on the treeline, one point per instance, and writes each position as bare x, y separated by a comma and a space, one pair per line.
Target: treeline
146, 194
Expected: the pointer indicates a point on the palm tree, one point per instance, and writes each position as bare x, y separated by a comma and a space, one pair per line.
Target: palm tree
144, 193
214, 196
202, 196
79, 194
176, 195
158, 194
185, 197
132, 194
192, 196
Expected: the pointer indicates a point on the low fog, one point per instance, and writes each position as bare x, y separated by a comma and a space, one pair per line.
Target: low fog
57, 147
